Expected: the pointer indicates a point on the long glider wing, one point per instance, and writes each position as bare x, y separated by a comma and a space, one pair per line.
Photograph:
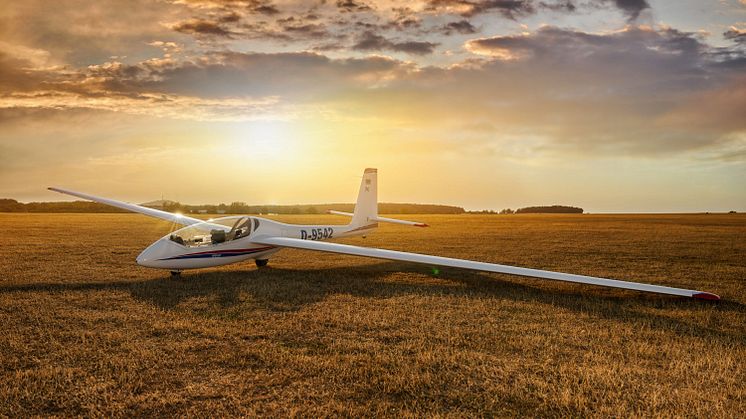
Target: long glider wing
151, 212
478, 266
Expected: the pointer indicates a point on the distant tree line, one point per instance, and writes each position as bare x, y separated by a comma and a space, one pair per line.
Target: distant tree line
243, 208
553, 209
11, 205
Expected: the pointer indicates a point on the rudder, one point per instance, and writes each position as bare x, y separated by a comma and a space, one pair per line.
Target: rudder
366, 207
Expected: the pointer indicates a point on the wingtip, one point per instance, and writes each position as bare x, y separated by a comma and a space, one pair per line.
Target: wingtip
706, 296
421, 225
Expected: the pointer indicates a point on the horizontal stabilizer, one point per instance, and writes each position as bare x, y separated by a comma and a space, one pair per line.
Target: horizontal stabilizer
395, 221
346, 214
381, 219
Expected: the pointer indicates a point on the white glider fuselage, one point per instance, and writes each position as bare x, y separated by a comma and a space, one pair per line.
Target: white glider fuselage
215, 242
221, 241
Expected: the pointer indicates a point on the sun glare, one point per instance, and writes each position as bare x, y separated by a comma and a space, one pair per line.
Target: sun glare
265, 140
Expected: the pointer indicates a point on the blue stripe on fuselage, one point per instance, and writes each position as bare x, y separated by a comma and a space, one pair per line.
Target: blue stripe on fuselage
219, 253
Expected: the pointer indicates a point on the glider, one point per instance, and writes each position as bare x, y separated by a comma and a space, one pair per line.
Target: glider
225, 240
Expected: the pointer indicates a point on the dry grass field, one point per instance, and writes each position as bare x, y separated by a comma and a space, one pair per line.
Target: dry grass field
85, 331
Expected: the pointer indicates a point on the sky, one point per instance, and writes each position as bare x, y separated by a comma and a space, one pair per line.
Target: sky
610, 105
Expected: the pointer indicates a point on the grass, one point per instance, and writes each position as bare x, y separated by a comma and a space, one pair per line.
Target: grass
85, 331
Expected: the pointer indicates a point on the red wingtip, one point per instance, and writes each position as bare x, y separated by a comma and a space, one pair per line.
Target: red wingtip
421, 225
706, 296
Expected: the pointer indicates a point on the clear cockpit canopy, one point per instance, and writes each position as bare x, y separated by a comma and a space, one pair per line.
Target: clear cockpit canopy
212, 232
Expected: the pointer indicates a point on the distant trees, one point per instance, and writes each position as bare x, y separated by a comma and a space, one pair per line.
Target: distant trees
236, 207
392, 208
553, 209
172, 206
11, 205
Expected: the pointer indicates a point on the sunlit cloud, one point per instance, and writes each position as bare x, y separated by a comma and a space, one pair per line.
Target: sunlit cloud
160, 105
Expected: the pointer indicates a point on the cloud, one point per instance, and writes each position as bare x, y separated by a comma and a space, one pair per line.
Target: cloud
153, 105
230, 17
297, 77
467, 8
352, 6
403, 20
567, 6
513, 9
216, 86
257, 6
638, 43
369, 41
266, 9
104, 31
637, 90
632, 8
202, 27
306, 30
80, 31
735, 34
463, 27
217, 27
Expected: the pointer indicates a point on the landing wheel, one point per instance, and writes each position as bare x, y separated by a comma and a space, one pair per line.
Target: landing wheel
175, 274
261, 262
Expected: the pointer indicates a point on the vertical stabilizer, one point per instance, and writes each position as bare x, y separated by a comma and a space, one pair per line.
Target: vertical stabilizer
366, 207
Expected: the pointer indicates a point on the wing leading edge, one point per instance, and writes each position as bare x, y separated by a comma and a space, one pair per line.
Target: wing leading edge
151, 212
478, 266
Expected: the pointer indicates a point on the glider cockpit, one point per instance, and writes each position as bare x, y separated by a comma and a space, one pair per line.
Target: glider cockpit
208, 243
211, 232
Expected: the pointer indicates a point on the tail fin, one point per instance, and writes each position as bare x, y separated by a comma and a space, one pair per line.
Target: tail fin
366, 208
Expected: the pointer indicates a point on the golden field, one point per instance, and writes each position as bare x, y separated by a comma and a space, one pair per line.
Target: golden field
85, 331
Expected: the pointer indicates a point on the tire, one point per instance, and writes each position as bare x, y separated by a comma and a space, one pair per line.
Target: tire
261, 262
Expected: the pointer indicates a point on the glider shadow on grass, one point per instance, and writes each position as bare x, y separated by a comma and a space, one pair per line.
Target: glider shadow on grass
280, 289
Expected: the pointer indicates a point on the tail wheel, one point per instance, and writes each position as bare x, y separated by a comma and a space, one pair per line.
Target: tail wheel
261, 262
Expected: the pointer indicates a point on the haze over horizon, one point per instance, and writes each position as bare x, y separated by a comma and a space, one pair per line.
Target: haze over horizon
609, 105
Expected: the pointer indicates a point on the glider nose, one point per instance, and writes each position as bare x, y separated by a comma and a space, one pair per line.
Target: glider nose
157, 254
142, 259
148, 256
